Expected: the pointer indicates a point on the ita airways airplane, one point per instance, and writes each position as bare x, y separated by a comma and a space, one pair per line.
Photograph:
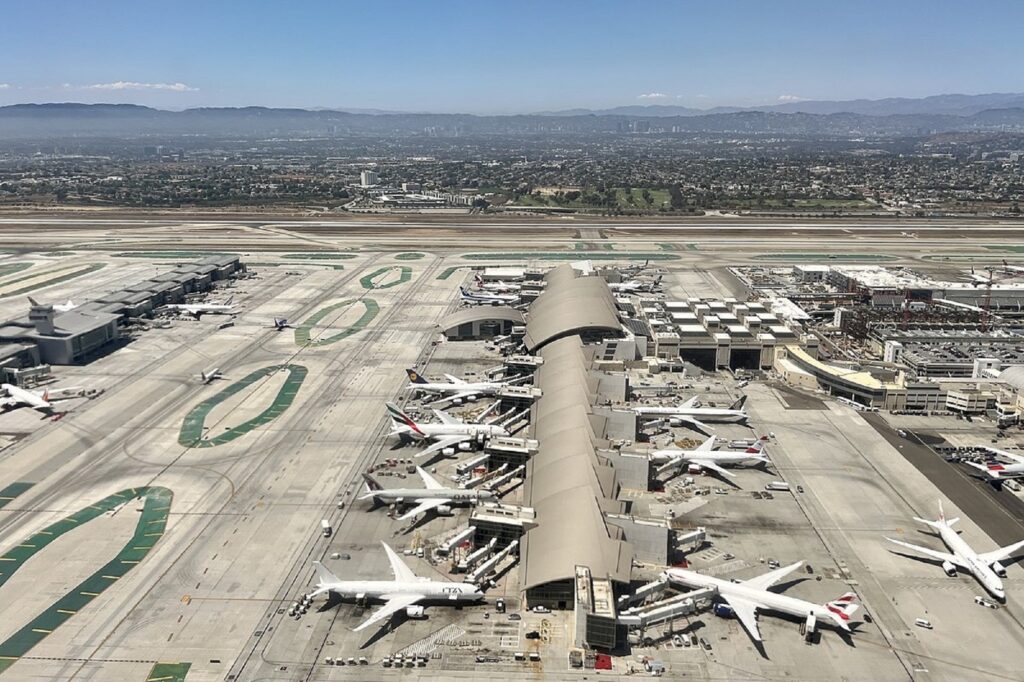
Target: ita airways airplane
432, 497
450, 434
486, 298
197, 310
499, 286
406, 592
985, 567
997, 472
746, 597
691, 413
12, 396
706, 457
456, 389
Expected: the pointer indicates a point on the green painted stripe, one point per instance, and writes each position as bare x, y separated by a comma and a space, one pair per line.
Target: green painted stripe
169, 672
317, 255
572, 255
191, 433
12, 268
22, 641
92, 267
12, 491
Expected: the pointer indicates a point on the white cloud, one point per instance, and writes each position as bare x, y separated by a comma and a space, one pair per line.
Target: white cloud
653, 95
131, 85
4, 86
791, 98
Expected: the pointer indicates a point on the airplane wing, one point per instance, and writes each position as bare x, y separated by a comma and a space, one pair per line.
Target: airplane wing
692, 402
449, 442
446, 418
424, 506
1001, 553
453, 379
708, 445
746, 612
393, 604
429, 482
766, 580
672, 463
931, 553
708, 464
402, 573
693, 422
1008, 455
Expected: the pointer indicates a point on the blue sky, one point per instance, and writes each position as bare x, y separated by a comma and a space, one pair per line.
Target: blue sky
504, 57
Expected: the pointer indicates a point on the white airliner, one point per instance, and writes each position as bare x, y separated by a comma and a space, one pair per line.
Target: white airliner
485, 298
406, 591
635, 286
212, 375
15, 396
451, 434
1001, 472
499, 286
433, 496
281, 323
457, 389
984, 567
747, 597
59, 307
706, 457
691, 413
197, 310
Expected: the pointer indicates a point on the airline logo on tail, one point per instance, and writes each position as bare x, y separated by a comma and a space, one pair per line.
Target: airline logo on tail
402, 418
738, 405
756, 448
415, 377
844, 607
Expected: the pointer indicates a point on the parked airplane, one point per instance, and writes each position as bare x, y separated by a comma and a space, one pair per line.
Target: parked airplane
984, 567
59, 307
691, 413
746, 597
197, 310
499, 286
406, 591
457, 389
433, 496
484, 298
635, 286
281, 323
706, 457
213, 374
451, 434
15, 396
996, 472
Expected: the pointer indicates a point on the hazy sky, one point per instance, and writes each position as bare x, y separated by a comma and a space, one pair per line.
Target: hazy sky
504, 57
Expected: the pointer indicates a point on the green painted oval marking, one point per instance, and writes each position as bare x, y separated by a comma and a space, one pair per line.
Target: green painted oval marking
148, 531
92, 267
11, 268
191, 434
448, 272
318, 255
303, 333
409, 256
405, 274
13, 490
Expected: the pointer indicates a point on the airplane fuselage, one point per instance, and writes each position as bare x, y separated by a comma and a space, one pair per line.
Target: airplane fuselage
982, 572
480, 388
413, 495
716, 456
713, 415
431, 590
764, 599
442, 430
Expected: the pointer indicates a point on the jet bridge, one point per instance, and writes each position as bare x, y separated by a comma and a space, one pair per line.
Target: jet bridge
681, 605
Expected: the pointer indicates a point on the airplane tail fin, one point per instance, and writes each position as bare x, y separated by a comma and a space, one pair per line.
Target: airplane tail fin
46, 396
400, 418
230, 299
843, 608
33, 301
738, 405
324, 576
372, 485
414, 376
756, 448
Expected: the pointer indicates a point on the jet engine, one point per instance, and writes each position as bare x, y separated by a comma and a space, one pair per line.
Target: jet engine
444, 510
469, 397
694, 469
949, 568
675, 422
448, 452
999, 569
414, 611
465, 446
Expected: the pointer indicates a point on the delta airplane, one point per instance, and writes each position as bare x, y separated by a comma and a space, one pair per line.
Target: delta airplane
457, 388
747, 597
433, 496
450, 434
406, 591
12, 396
484, 298
984, 567
197, 310
997, 473
706, 457
691, 413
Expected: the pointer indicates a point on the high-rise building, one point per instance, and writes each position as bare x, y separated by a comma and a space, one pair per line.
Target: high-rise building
368, 178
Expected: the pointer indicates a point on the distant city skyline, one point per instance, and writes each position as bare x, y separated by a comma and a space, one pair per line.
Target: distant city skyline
466, 57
